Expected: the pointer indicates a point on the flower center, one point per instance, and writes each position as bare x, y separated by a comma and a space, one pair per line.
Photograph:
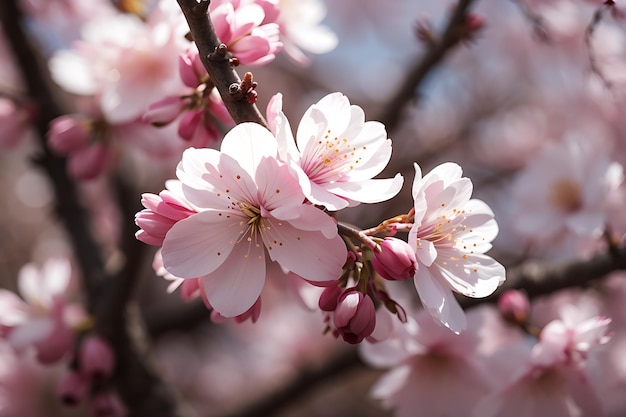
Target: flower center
332, 158
565, 195
254, 214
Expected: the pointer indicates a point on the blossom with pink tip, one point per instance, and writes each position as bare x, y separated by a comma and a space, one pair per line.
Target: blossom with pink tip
243, 27
354, 317
249, 207
450, 235
395, 260
39, 320
161, 213
336, 153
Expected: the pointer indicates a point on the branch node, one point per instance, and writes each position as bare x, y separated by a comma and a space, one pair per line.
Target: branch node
219, 54
245, 89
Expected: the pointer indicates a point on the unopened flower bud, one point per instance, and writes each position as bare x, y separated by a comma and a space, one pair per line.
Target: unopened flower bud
68, 133
96, 358
72, 388
396, 261
514, 306
355, 316
328, 298
89, 162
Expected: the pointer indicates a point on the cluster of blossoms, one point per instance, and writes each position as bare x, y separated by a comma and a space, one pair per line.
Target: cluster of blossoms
265, 196
127, 80
494, 369
48, 324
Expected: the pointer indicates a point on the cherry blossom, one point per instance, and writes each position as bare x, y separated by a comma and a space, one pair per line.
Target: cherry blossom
430, 365
249, 206
336, 153
244, 28
555, 380
450, 235
41, 319
566, 188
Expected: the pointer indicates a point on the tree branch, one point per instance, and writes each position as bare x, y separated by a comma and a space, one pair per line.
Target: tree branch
142, 390
214, 56
452, 35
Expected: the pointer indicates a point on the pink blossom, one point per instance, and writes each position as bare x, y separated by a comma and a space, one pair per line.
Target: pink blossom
300, 28
249, 207
555, 381
39, 321
514, 306
395, 261
189, 288
88, 163
354, 317
450, 235
435, 372
336, 153
565, 188
161, 213
242, 26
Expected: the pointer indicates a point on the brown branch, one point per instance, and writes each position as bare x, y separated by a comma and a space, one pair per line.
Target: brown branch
215, 57
591, 28
142, 390
452, 35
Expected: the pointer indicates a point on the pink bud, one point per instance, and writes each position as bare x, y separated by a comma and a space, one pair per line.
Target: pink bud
514, 306
164, 111
396, 261
355, 316
189, 124
328, 298
72, 388
89, 162
96, 358
106, 404
68, 133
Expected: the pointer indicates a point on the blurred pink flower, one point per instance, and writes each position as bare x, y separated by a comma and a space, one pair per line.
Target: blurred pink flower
565, 188
450, 235
336, 153
249, 206
39, 320
434, 371
555, 381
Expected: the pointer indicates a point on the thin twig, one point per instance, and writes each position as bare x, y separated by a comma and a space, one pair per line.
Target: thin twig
214, 56
437, 50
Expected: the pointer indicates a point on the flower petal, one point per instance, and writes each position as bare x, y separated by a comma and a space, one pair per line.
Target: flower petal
439, 300
199, 244
235, 285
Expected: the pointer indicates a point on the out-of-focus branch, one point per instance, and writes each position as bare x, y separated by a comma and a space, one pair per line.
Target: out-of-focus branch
598, 15
454, 33
72, 214
215, 58
107, 296
538, 278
